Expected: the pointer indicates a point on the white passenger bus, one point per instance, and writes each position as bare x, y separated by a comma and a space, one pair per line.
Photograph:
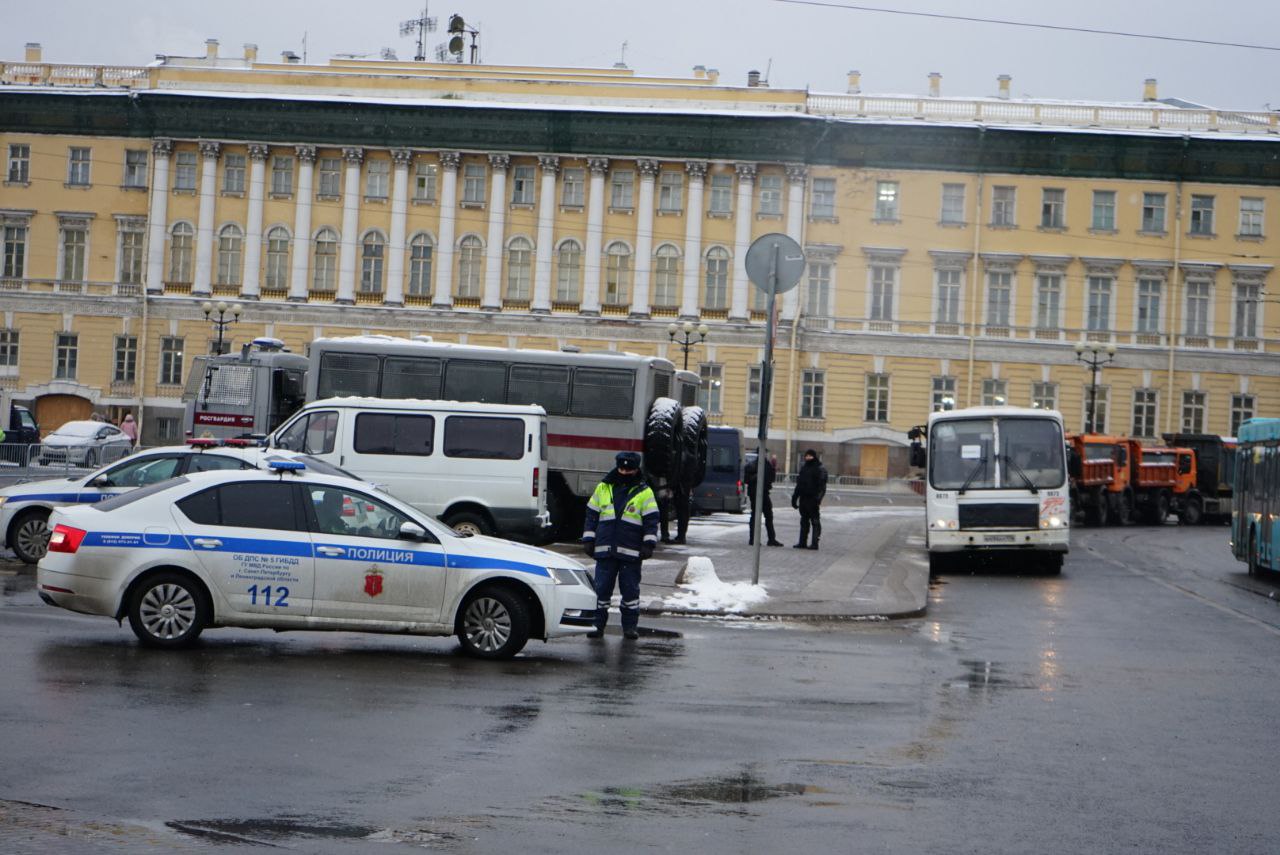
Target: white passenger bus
997, 482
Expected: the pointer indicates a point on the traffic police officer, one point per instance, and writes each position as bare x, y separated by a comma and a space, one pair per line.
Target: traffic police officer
621, 531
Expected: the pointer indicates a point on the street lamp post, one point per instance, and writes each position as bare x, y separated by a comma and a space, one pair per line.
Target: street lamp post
220, 323
1094, 356
686, 342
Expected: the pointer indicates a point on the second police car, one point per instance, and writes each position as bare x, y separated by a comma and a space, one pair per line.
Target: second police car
292, 549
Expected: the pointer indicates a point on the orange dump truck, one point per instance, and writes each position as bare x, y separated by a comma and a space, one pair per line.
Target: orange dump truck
1099, 466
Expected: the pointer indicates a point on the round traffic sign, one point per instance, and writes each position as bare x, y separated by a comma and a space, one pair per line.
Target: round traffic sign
774, 263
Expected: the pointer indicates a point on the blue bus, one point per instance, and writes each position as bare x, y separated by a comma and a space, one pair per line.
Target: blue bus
1255, 514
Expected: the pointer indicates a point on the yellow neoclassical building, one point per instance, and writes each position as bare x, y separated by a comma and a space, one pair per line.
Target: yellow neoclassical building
957, 248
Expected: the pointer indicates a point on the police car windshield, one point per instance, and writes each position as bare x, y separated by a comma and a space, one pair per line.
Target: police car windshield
140, 493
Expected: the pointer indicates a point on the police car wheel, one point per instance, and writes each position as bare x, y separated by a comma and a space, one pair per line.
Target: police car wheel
30, 537
167, 610
493, 624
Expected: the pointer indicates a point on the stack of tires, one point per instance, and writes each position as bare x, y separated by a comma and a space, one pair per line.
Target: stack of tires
675, 443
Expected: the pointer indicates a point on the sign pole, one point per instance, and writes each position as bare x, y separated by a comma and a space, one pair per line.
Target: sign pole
762, 435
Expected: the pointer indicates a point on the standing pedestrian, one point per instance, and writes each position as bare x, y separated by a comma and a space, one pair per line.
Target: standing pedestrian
620, 531
811, 488
130, 428
680, 504
749, 475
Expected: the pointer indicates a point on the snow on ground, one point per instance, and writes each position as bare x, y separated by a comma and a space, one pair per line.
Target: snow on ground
700, 589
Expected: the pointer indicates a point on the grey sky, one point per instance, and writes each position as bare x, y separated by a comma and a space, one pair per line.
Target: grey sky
810, 47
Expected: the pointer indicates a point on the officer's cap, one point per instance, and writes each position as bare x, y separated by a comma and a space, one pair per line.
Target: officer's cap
627, 460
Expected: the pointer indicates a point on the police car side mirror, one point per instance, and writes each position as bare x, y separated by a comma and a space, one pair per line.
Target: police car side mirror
101, 481
412, 531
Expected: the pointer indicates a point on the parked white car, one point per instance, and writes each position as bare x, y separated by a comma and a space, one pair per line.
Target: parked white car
292, 550
85, 443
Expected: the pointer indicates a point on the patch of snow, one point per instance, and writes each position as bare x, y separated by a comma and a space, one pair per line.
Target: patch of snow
702, 590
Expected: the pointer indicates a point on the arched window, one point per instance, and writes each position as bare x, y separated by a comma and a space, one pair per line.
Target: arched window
230, 253
277, 259
180, 240
325, 275
617, 277
717, 292
666, 276
568, 272
421, 248
470, 266
372, 253
519, 272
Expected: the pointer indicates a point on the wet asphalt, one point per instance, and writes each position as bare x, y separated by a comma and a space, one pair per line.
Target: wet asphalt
1128, 705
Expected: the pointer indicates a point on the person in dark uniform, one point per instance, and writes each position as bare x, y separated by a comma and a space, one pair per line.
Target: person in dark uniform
680, 504
620, 531
749, 477
811, 488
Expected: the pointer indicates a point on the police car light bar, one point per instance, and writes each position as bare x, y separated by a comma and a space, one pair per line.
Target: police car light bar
287, 465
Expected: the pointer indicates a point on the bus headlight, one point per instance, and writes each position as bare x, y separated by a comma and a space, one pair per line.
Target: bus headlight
1053, 521
944, 523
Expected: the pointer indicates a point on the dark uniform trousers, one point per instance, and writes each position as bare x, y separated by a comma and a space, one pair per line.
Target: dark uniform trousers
627, 575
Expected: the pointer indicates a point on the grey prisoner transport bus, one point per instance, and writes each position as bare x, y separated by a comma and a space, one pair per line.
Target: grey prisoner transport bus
597, 404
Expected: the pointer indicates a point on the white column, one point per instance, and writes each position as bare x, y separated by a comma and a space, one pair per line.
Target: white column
449, 161
353, 157
739, 303
693, 214
253, 226
796, 174
301, 261
545, 250
592, 266
498, 164
648, 170
161, 149
204, 225
402, 157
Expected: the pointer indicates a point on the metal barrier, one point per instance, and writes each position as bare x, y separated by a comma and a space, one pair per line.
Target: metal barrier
857, 483
22, 462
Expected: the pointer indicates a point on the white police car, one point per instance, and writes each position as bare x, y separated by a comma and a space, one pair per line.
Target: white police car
301, 550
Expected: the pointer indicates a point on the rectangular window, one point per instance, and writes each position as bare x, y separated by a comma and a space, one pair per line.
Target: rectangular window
887, 201
999, 298
1149, 291
603, 393
948, 311
394, 433
710, 388
670, 191
943, 394
1198, 297
523, 188
721, 194
282, 175
19, 171
813, 386
1048, 301
1144, 413
131, 255
818, 293
822, 203
74, 244
66, 355
1099, 318
424, 181
377, 179
15, 252
573, 184
1153, 212
753, 390
952, 204
484, 437
1201, 215
471, 380
882, 282
1247, 298
1251, 215
771, 195
184, 171
473, 184
1104, 210
78, 166
1053, 208
9, 348
168, 428
126, 359
1003, 203
622, 190
1044, 396
330, 169
995, 392
877, 402
233, 173
135, 168
547, 385
171, 360
1242, 409
1193, 412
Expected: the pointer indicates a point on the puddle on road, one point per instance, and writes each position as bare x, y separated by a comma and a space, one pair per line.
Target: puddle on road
987, 676
269, 831
686, 798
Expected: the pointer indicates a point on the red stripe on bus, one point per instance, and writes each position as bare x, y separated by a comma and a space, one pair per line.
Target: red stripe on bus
601, 443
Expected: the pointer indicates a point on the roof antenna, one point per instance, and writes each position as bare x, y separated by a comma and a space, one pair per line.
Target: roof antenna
422, 24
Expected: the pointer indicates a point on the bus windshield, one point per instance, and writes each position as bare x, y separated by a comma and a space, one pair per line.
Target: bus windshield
996, 453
